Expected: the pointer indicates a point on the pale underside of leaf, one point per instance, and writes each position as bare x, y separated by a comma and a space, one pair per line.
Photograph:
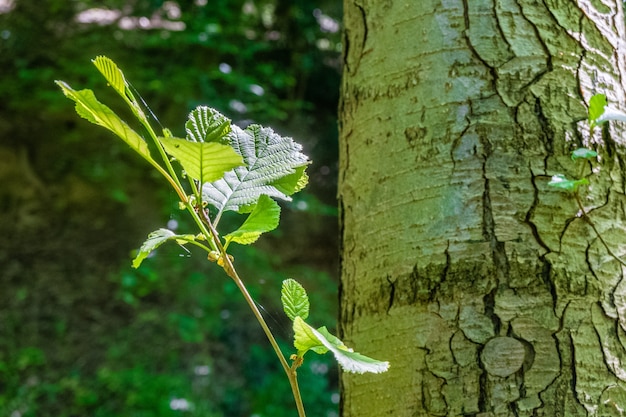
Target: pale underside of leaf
294, 299
204, 161
309, 338
584, 153
155, 239
89, 108
561, 182
270, 164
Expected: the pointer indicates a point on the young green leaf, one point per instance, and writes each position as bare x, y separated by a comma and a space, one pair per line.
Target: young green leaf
320, 341
207, 125
561, 182
305, 339
156, 239
295, 300
88, 107
596, 107
263, 218
111, 73
203, 161
584, 153
269, 158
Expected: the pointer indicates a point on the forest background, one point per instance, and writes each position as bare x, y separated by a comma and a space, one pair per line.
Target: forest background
81, 332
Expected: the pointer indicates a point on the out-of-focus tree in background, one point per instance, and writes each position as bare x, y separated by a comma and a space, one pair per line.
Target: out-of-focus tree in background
83, 334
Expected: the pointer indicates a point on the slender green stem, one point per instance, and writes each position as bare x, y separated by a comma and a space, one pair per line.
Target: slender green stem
291, 372
293, 381
232, 273
198, 244
194, 189
164, 156
201, 225
174, 183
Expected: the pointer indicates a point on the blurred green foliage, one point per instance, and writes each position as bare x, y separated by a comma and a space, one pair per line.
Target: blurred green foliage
81, 333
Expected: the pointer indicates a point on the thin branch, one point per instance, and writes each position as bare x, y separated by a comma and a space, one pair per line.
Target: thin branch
232, 273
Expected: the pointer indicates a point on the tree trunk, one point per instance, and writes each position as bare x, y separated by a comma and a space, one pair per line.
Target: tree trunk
485, 288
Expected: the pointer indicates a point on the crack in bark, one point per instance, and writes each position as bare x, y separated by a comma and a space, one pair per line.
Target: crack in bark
494, 9
489, 301
472, 48
538, 36
588, 262
355, 48
500, 260
546, 271
572, 364
530, 213
482, 386
392, 292
546, 128
602, 346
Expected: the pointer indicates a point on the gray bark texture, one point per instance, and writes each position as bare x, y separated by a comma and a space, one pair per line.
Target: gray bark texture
485, 288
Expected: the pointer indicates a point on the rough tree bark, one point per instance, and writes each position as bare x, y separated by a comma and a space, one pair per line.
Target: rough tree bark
480, 284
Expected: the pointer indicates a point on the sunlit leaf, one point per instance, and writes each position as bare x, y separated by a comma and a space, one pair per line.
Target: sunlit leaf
596, 107
269, 158
561, 182
88, 107
320, 341
115, 78
207, 125
111, 73
305, 339
264, 218
204, 161
294, 299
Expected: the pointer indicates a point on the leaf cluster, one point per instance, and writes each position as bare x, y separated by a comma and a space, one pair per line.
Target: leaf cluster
228, 168
597, 115
306, 338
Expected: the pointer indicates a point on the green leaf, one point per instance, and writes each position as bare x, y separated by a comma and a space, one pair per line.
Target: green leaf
291, 184
561, 182
584, 153
295, 300
156, 239
111, 73
320, 341
596, 107
203, 161
88, 107
263, 218
305, 339
115, 78
207, 125
269, 158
